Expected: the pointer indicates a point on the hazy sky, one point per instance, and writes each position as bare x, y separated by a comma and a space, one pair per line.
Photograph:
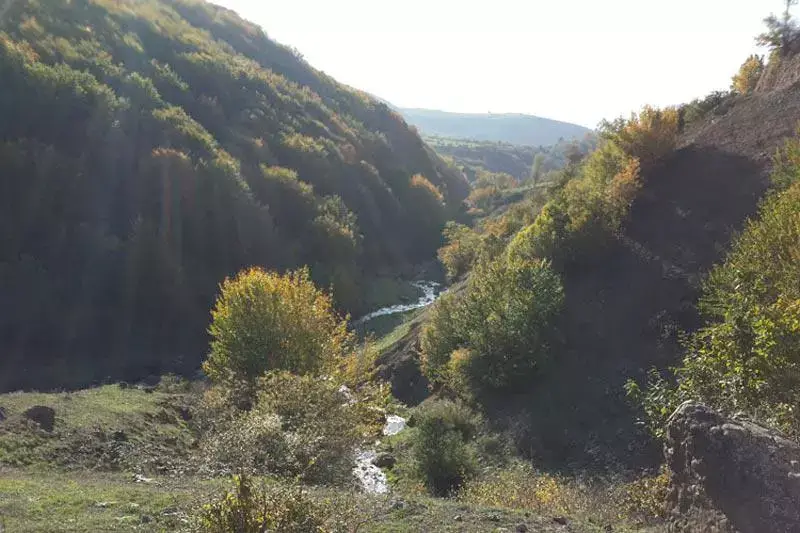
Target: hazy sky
579, 60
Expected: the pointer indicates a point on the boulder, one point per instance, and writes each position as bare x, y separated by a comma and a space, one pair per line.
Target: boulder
384, 460
3, 414
745, 471
42, 415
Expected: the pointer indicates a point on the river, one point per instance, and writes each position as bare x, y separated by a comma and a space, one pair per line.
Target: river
430, 292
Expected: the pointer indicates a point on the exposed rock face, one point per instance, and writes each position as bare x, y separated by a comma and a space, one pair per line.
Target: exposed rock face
748, 472
783, 73
44, 416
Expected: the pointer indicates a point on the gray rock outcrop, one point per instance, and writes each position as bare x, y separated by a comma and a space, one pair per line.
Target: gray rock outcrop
749, 473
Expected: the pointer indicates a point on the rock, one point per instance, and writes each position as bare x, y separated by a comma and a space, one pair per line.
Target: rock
3, 414
458, 518
560, 520
521, 528
119, 436
138, 478
44, 416
397, 505
185, 413
743, 470
104, 505
384, 460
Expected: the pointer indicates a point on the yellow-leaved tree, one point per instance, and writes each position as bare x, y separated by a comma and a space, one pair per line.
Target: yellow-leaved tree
745, 81
266, 321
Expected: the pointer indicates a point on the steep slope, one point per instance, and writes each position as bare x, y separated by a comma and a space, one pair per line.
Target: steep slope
511, 128
148, 149
626, 310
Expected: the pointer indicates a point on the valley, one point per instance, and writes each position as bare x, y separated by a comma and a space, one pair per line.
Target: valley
240, 296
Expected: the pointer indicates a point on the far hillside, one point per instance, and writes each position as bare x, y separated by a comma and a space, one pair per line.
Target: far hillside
521, 162
510, 128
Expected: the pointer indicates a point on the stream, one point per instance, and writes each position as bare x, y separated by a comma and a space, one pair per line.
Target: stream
430, 291
372, 478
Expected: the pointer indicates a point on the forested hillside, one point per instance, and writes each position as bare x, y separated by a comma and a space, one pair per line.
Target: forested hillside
521, 162
151, 148
511, 128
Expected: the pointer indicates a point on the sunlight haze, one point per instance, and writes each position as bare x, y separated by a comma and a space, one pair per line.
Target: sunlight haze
539, 57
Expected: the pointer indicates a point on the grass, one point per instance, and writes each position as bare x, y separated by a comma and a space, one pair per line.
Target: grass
103, 406
79, 478
52, 501
106, 427
39, 501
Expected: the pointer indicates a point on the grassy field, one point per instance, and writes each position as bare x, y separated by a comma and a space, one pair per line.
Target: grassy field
71, 502
123, 459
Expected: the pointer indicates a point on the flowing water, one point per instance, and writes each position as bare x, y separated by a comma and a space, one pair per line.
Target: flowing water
430, 291
372, 478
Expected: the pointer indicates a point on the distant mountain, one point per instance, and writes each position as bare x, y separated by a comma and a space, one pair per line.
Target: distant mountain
510, 128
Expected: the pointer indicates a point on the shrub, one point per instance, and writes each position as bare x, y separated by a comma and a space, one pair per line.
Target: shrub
582, 216
647, 136
745, 81
250, 509
442, 456
299, 427
747, 357
506, 319
716, 102
266, 321
461, 251
623, 504
521, 487
440, 336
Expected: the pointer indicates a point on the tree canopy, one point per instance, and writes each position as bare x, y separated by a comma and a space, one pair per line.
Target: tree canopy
151, 148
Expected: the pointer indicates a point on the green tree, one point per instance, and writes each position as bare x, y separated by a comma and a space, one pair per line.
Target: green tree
536, 167
781, 31
264, 321
441, 436
506, 320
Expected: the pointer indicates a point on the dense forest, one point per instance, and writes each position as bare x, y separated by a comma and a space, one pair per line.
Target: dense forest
150, 149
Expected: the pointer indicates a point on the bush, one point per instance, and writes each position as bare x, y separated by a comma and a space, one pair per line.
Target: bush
521, 487
647, 136
747, 357
717, 102
506, 320
745, 81
300, 427
589, 209
621, 503
265, 321
250, 509
440, 445
461, 251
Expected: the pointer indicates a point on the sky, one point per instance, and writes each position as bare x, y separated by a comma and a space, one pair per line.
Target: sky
579, 61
